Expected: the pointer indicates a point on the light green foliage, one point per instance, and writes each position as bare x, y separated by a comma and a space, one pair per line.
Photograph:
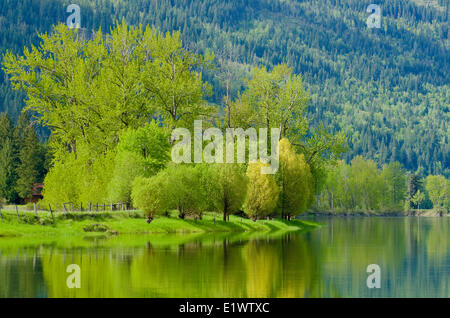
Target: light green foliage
438, 191
418, 198
74, 181
140, 152
278, 99
189, 188
362, 186
182, 187
127, 166
295, 181
228, 187
273, 99
89, 91
262, 192
365, 183
393, 191
152, 195
61, 183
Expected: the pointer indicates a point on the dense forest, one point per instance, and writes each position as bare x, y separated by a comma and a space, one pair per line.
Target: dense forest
387, 88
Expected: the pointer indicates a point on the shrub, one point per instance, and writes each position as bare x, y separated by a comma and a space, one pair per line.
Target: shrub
96, 227
151, 195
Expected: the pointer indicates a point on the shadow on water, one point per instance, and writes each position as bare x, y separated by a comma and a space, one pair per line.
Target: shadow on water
329, 262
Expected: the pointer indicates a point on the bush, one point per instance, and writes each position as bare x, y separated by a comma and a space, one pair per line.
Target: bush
181, 187
151, 195
96, 227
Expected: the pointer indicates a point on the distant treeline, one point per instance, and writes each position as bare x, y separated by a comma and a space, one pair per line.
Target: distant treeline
361, 186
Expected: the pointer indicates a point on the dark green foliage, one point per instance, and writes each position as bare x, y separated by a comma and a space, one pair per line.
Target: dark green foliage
415, 183
22, 158
386, 88
31, 161
8, 159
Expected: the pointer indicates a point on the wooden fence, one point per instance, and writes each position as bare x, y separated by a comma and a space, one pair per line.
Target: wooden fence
70, 207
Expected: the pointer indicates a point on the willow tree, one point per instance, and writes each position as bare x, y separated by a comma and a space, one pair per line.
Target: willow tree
228, 188
294, 180
151, 195
438, 190
262, 192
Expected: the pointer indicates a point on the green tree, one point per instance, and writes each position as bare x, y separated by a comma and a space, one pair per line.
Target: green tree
365, 183
394, 185
414, 185
418, 198
151, 195
262, 192
275, 99
229, 186
141, 152
8, 176
188, 189
31, 157
438, 191
8, 159
294, 180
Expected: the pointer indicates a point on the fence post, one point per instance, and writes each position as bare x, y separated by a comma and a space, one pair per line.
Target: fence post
81, 206
35, 209
64, 206
1, 216
51, 212
90, 206
111, 207
17, 211
104, 207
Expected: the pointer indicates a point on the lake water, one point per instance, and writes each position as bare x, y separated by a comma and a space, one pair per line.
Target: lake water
413, 255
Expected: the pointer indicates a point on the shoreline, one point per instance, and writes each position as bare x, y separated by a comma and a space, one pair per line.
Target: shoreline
423, 213
134, 222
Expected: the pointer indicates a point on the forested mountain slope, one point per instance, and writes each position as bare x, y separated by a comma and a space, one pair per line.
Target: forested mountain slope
387, 88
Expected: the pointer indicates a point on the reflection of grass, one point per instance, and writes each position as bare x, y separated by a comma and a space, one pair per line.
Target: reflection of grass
73, 224
170, 241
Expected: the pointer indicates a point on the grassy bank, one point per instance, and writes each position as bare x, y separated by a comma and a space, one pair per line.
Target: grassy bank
105, 223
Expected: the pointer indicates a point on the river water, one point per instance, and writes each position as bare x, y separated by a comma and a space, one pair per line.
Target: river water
413, 255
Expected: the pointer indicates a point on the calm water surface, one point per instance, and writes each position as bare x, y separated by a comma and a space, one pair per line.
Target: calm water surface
413, 254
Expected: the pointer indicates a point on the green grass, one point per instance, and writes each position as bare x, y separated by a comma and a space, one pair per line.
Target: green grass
74, 224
